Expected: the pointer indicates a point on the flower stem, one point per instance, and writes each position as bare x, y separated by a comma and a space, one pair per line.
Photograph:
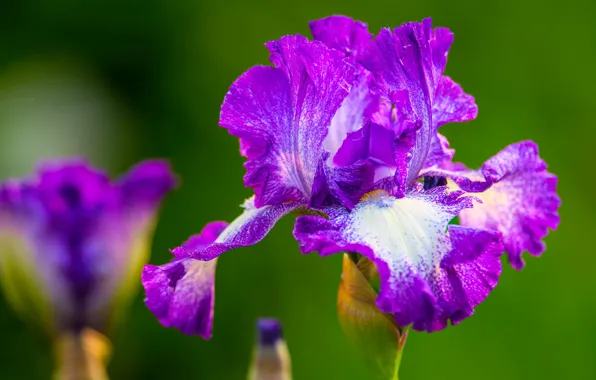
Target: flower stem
400, 351
82, 355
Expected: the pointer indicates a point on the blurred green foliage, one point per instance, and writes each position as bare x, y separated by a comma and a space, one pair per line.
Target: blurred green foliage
166, 66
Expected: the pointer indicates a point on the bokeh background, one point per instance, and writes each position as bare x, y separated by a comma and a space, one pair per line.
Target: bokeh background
119, 81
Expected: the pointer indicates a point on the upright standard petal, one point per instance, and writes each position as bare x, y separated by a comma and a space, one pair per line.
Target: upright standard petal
415, 253
412, 58
451, 104
181, 294
282, 115
342, 33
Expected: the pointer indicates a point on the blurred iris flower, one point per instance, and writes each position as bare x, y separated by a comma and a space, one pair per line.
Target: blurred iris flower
73, 243
343, 130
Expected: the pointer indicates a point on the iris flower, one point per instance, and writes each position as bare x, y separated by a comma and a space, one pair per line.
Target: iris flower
344, 131
72, 242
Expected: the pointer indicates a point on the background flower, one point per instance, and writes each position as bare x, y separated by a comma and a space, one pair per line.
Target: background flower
72, 242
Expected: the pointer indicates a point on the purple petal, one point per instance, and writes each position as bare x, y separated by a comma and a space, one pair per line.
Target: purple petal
439, 151
521, 203
387, 145
342, 33
147, 183
282, 115
349, 118
423, 268
372, 141
412, 58
343, 184
467, 274
248, 229
450, 105
181, 294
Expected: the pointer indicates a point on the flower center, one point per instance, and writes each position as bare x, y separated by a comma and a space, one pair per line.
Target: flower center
71, 195
431, 182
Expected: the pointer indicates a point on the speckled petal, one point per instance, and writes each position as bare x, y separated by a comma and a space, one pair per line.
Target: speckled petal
343, 184
451, 104
350, 118
248, 229
181, 294
429, 273
282, 115
522, 202
412, 58
342, 33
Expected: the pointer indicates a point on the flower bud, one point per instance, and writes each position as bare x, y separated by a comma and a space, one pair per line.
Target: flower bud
375, 333
271, 359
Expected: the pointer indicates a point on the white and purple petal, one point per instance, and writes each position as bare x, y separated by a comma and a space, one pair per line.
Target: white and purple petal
521, 201
422, 264
246, 230
282, 115
181, 294
350, 117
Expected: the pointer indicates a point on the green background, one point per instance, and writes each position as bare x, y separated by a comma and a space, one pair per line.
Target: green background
159, 71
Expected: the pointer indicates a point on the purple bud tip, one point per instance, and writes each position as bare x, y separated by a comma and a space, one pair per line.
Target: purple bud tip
269, 331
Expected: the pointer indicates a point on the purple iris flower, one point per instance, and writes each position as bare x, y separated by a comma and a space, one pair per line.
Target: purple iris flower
344, 130
72, 242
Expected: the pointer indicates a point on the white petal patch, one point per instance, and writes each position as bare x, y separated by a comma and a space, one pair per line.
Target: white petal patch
348, 117
408, 233
233, 228
247, 229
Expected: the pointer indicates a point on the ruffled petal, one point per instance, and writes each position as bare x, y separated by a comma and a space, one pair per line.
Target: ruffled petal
282, 115
412, 58
342, 33
181, 294
521, 202
451, 104
248, 229
423, 266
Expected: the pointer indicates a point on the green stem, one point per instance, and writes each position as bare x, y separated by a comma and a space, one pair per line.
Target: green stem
400, 351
